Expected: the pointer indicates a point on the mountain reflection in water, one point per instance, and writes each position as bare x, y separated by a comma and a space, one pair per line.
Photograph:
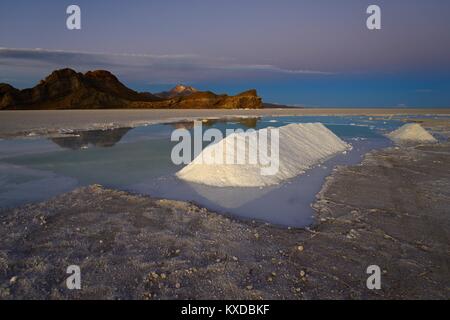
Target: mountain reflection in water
246, 122
98, 138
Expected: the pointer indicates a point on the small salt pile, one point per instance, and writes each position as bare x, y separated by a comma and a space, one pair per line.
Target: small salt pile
411, 133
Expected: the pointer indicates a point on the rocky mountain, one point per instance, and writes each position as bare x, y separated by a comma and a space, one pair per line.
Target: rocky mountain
68, 89
178, 91
206, 100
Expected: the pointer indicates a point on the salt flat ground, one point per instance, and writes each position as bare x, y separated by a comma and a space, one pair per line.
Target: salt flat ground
391, 211
17, 123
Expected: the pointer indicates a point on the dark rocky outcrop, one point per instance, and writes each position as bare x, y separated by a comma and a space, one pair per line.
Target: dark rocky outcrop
68, 89
267, 105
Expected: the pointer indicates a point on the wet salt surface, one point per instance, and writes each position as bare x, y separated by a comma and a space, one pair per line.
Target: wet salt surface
138, 160
288, 204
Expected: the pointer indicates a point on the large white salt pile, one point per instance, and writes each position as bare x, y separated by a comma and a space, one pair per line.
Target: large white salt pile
301, 146
410, 133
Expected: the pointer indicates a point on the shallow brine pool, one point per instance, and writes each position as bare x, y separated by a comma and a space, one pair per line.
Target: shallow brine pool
139, 160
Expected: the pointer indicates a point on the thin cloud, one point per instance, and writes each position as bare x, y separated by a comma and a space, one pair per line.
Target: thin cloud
271, 68
17, 52
138, 66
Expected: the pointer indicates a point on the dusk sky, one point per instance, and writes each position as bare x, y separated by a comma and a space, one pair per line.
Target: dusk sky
311, 52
